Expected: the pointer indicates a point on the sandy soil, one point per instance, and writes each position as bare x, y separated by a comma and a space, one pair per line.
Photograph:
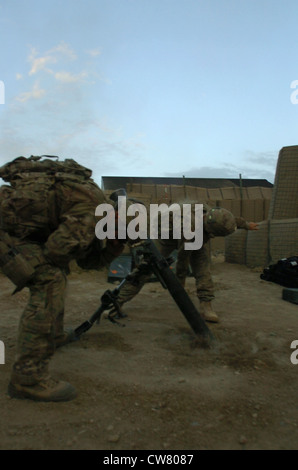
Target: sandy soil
149, 385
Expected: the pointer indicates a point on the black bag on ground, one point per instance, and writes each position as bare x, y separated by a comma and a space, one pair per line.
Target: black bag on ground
284, 272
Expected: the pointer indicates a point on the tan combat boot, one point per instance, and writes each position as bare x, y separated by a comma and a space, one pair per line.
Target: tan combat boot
47, 389
208, 313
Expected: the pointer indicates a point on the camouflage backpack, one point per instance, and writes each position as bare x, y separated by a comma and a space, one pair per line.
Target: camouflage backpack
28, 206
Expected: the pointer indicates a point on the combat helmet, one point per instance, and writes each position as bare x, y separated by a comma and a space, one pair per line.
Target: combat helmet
219, 222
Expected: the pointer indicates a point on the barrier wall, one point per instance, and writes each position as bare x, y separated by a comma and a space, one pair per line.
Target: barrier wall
285, 192
253, 206
275, 209
283, 239
172, 193
250, 203
278, 235
235, 247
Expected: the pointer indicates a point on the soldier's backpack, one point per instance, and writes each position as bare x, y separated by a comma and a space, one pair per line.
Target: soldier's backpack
27, 205
284, 272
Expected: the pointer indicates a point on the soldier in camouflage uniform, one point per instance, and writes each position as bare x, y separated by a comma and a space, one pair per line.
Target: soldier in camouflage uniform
57, 226
216, 222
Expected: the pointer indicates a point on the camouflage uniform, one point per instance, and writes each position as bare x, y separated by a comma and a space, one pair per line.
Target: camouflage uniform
198, 260
42, 322
69, 217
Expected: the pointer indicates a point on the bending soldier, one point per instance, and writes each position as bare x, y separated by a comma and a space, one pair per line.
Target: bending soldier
216, 222
47, 213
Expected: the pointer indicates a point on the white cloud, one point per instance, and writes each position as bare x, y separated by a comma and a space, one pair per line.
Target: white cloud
65, 50
52, 56
261, 158
49, 63
35, 93
94, 52
40, 63
67, 77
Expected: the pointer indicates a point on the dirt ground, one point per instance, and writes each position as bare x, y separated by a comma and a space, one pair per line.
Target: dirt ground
150, 386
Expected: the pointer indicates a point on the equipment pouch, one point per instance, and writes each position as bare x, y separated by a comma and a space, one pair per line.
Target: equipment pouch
13, 264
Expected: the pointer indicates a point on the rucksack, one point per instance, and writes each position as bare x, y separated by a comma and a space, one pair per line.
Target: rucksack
27, 205
284, 272
22, 167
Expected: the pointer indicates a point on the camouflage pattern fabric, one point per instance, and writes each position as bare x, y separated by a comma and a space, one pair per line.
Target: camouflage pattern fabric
51, 220
198, 260
220, 222
140, 276
41, 321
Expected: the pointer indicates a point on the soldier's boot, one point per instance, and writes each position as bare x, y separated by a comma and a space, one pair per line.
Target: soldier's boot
46, 390
66, 337
208, 313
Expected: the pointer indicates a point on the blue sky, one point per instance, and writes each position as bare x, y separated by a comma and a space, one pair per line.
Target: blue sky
150, 87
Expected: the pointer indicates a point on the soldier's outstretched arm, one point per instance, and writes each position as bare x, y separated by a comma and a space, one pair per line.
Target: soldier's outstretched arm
242, 223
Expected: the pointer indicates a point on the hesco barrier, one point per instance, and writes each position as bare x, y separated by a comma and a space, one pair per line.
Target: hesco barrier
251, 203
254, 204
158, 193
285, 192
277, 237
283, 239
275, 209
235, 247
